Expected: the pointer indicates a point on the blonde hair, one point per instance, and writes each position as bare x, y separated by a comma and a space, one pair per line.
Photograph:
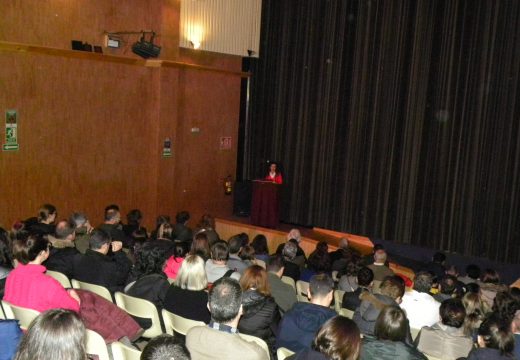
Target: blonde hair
192, 274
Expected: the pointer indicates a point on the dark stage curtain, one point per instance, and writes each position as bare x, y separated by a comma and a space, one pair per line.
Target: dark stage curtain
393, 119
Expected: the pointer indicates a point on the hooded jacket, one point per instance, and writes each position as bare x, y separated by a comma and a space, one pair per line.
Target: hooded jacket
300, 324
261, 316
366, 314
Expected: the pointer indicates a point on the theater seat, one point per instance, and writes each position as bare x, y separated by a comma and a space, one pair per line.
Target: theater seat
178, 323
24, 316
283, 353
141, 308
95, 345
257, 340
96, 289
121, 351
60, 277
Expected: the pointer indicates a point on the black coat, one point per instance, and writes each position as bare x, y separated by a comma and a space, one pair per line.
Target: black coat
62, 260
261, 316
388, 350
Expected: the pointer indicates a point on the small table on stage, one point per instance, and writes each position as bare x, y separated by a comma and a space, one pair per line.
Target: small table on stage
265, 204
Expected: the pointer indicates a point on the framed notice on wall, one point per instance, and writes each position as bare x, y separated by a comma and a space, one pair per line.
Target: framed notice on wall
11, 131
225, 143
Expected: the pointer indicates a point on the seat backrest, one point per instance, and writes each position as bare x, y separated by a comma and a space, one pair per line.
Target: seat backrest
414, 332
301, 290
96, 289
283, 353
60, 277
95, 345
260, 263
338, 299
141, 308
257, 340
432, 357
376, 284
121, 351
25, 316
290, 281
8, 312
178, 323
346, 313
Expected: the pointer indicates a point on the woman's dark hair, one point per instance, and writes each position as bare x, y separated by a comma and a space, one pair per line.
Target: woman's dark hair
45, 211
182, 217
200, 246
452, 313
220, 251
338, 339
27, 248
206, 222
134, 217
491, 276
391, 324
505, 306
496, 334
150, 259
260, 245
472, 288
54, 334
319, 260
247, 253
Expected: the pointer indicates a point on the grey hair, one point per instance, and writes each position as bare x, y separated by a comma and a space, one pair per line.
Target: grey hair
78, 219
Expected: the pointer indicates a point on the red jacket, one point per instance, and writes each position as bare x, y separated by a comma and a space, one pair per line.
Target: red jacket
277, 179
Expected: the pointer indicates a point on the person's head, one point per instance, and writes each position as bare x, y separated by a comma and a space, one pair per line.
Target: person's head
200, 245
99, 241
472, 288
365, 276
150, 259
65, 231
161, 219
473, 271
380, 256
319, 260
321, 288
260, 244
47, 214
244, 238
207, 222
474, 304
289, 250
225, 300
343, 243
78, 219
247, 253
452, 313
491, 276
338, 339
439, 258
452, 270
112, 216
391, 324
134, 217
220, 251
448, 285
495, 333
272, 167
294, 234
235, 244
275, 264
393, 288
182, 217
255, 277
165, 347
505, 305
423, 282
111, 207
54, 334
30, 248
192, 274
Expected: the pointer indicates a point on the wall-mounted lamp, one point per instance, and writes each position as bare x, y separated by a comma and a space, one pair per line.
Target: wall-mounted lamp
195, 44
195, 35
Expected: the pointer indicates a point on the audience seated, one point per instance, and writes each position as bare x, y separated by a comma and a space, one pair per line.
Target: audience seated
447, 288
291, 269
96, 266
220, 340
260, 315
149, 281
45, 221
206, 225
162, 222
365, 316
338, 338
284, 294
340, 257
476, 311
348, 274
216, 267
295, 237
301, 322
495, 341
133, 219
247, 255
28, 286
165, 347
437, 266
174, 262
200, 246
113, 227
351, 299
472, 274
187, 297
421, 308
446, 339
55, 334
62, 250
389, 343
490, 285
234, 261
181, 231
82, 229
261, 249
319, 262
379, 268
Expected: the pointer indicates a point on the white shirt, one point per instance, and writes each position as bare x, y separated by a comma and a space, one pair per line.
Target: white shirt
421, 309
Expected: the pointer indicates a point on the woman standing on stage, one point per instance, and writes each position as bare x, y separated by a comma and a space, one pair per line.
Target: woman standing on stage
274, 175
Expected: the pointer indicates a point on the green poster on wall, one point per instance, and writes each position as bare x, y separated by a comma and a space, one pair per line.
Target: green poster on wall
11, 131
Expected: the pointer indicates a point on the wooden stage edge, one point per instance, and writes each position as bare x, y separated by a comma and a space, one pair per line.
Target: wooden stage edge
310, 237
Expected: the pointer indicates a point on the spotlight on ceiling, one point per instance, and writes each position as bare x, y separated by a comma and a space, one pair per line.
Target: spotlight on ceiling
146, 49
